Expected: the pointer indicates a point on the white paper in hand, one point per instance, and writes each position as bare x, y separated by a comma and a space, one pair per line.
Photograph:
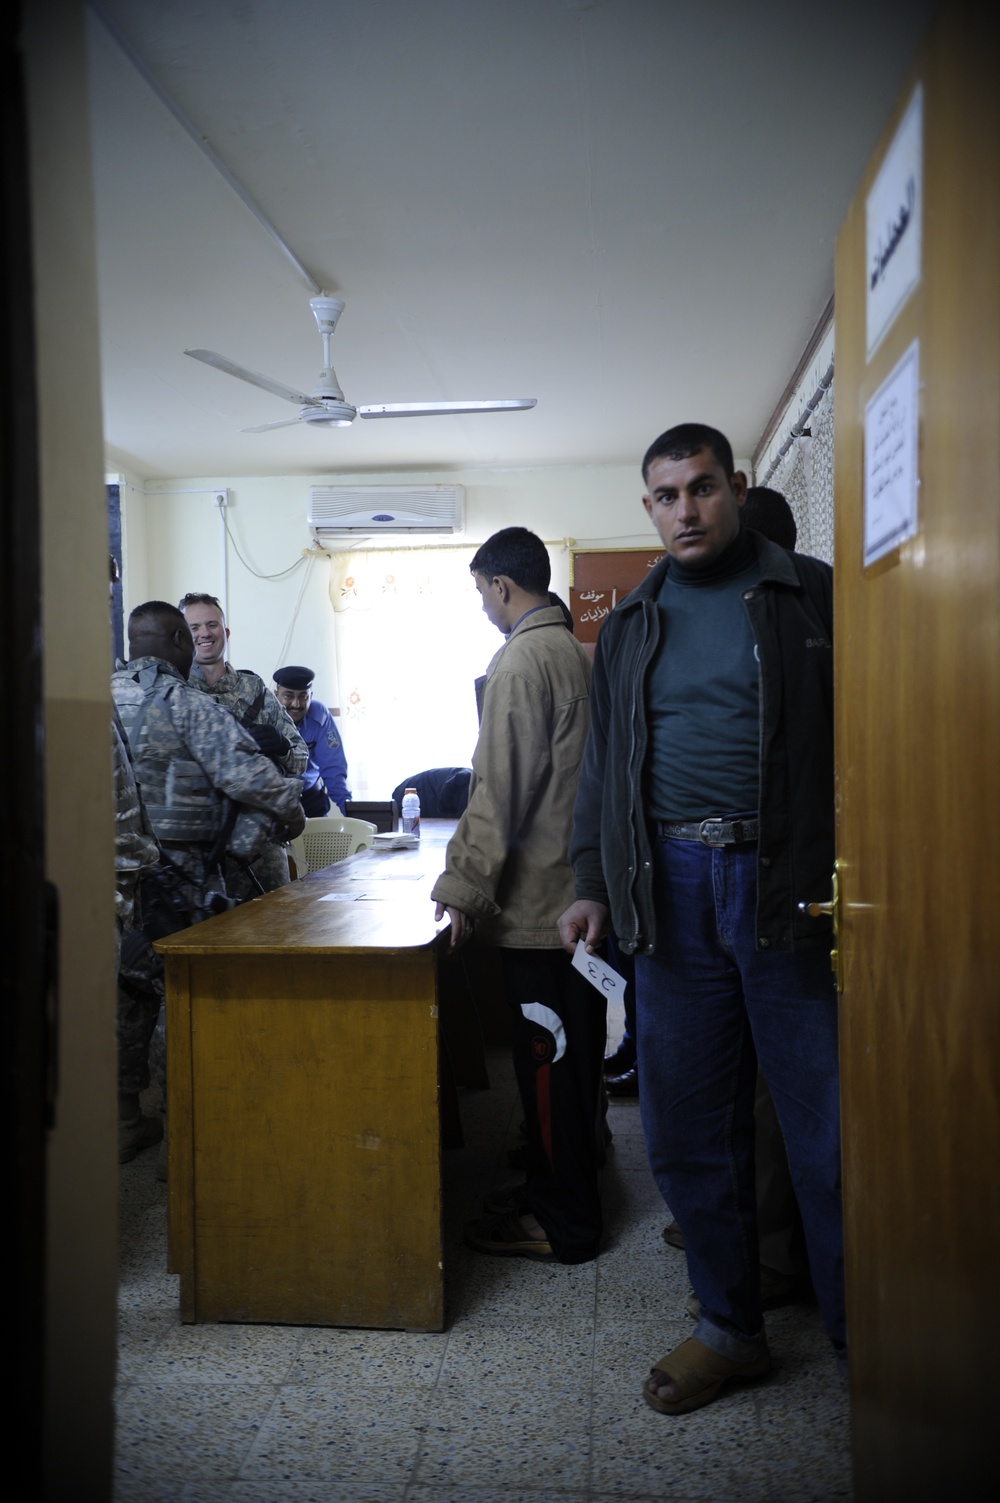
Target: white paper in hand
599, 973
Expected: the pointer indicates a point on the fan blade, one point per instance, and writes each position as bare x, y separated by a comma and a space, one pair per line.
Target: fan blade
264, 382
265, 427
445, 409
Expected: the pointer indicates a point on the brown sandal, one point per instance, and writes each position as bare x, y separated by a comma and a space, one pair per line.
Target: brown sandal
698, 1374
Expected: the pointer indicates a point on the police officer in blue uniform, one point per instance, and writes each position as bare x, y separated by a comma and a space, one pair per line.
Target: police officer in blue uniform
324, 781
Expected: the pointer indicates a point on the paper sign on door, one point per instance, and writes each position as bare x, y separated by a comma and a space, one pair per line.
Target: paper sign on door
891, 458
893, 216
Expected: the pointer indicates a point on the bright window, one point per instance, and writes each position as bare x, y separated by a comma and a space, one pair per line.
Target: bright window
411, 641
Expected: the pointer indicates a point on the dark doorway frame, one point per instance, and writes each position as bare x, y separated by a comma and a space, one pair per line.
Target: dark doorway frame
27, 1021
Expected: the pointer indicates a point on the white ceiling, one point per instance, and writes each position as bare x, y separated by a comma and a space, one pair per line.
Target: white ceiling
625, 208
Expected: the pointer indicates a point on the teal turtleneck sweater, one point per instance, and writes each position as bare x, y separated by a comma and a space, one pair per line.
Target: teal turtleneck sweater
702, 694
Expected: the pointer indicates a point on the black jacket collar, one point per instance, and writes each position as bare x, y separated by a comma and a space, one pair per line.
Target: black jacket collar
776, 567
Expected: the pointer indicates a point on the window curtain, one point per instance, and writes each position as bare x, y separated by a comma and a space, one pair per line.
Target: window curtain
411, 640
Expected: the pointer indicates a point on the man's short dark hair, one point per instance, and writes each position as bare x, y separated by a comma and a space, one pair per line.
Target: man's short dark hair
687, 439
193, 598
157, 615
768, 512
517, 554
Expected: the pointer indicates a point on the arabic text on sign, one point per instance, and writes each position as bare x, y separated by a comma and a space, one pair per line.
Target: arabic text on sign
891, 459
885, 250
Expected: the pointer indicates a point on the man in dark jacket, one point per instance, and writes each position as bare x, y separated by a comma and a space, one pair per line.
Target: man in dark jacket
704, 816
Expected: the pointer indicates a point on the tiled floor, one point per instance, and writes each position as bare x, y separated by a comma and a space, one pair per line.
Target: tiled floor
532, 1394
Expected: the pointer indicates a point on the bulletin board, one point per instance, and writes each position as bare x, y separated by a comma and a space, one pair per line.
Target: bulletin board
601, 577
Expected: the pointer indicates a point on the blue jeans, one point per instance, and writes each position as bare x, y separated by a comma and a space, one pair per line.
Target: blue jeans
709, 1005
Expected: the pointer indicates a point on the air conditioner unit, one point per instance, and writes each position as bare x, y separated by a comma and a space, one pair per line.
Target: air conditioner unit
354, 510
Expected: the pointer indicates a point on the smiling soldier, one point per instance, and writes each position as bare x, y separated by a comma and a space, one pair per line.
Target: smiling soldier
704, 813
244, 694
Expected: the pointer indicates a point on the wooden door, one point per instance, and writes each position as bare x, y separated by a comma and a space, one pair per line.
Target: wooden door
918, 759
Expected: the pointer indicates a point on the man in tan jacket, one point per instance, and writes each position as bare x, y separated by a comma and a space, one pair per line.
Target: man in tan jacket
508, 873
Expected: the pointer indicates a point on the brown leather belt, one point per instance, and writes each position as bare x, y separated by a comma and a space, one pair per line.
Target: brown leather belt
713, 831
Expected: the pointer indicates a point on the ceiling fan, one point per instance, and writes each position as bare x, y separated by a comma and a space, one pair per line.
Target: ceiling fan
326, 405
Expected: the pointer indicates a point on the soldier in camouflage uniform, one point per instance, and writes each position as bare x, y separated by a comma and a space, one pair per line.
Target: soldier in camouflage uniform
136, 852
193, 761
244, 694
206, 786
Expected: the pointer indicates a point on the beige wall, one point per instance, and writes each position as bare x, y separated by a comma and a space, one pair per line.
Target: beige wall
82, 1156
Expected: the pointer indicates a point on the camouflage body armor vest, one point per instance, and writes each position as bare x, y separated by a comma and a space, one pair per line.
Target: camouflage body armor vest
182, 804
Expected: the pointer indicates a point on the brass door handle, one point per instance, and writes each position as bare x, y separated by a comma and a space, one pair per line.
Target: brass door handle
833, 910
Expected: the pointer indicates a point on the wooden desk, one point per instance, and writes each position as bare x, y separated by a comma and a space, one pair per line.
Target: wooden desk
302, 1090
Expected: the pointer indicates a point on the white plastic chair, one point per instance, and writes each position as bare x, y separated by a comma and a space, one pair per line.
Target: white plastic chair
332, 838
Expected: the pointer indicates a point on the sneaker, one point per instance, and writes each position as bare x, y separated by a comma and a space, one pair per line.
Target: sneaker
504, 1237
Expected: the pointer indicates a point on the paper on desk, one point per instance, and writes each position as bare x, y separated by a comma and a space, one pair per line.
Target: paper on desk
597, 971
353, 897
396, 841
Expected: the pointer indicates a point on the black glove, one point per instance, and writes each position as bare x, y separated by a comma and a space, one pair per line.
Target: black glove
270, 740
294, 827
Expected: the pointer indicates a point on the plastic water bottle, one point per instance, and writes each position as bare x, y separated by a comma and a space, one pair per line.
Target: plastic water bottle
411, 812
